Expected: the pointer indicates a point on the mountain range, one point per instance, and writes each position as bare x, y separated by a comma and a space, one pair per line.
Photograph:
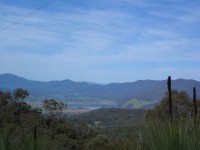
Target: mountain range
147, 90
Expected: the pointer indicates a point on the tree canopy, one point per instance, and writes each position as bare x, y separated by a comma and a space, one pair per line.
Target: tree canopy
52, 105
181, 106
20, 94
5, 98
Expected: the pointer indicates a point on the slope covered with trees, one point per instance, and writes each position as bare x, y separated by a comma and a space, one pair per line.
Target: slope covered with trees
121, 93
24, 128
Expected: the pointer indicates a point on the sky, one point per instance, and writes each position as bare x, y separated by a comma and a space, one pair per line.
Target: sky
100, 41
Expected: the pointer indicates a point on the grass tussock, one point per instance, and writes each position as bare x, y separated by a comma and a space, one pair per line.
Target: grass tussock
178, 135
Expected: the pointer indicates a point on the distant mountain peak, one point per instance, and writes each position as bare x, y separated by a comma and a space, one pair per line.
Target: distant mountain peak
11, 77
149, 90
8, 74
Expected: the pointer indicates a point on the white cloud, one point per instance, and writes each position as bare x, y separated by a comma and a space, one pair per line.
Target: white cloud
162, 33
72, 44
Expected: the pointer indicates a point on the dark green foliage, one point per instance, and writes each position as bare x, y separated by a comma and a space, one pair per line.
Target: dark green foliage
23, 134
100, 143
24, 128
52, 105
181, 108
123, 128
5, 98
20, 94
113, 116
169, 126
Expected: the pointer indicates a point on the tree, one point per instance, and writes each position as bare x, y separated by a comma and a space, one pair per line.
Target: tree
52, 105
20, 94
181, 106
5, 98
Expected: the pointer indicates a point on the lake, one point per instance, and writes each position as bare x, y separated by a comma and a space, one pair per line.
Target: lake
91, 106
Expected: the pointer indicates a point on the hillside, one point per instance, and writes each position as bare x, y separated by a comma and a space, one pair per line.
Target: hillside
148, 90
113, 116
114, 123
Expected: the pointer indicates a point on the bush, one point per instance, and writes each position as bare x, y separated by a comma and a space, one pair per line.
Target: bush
182, 134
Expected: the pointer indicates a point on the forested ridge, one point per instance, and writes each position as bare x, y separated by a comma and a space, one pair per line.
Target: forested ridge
147, 90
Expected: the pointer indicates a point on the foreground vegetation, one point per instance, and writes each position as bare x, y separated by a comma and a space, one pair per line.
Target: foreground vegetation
179, 135
24, 128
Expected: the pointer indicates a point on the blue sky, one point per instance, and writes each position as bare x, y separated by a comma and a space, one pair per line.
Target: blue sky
100, 41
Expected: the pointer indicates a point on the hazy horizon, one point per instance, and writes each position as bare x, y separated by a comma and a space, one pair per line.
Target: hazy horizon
92, 81
100, 41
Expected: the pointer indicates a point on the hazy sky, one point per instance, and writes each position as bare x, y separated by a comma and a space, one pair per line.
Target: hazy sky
100, 40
